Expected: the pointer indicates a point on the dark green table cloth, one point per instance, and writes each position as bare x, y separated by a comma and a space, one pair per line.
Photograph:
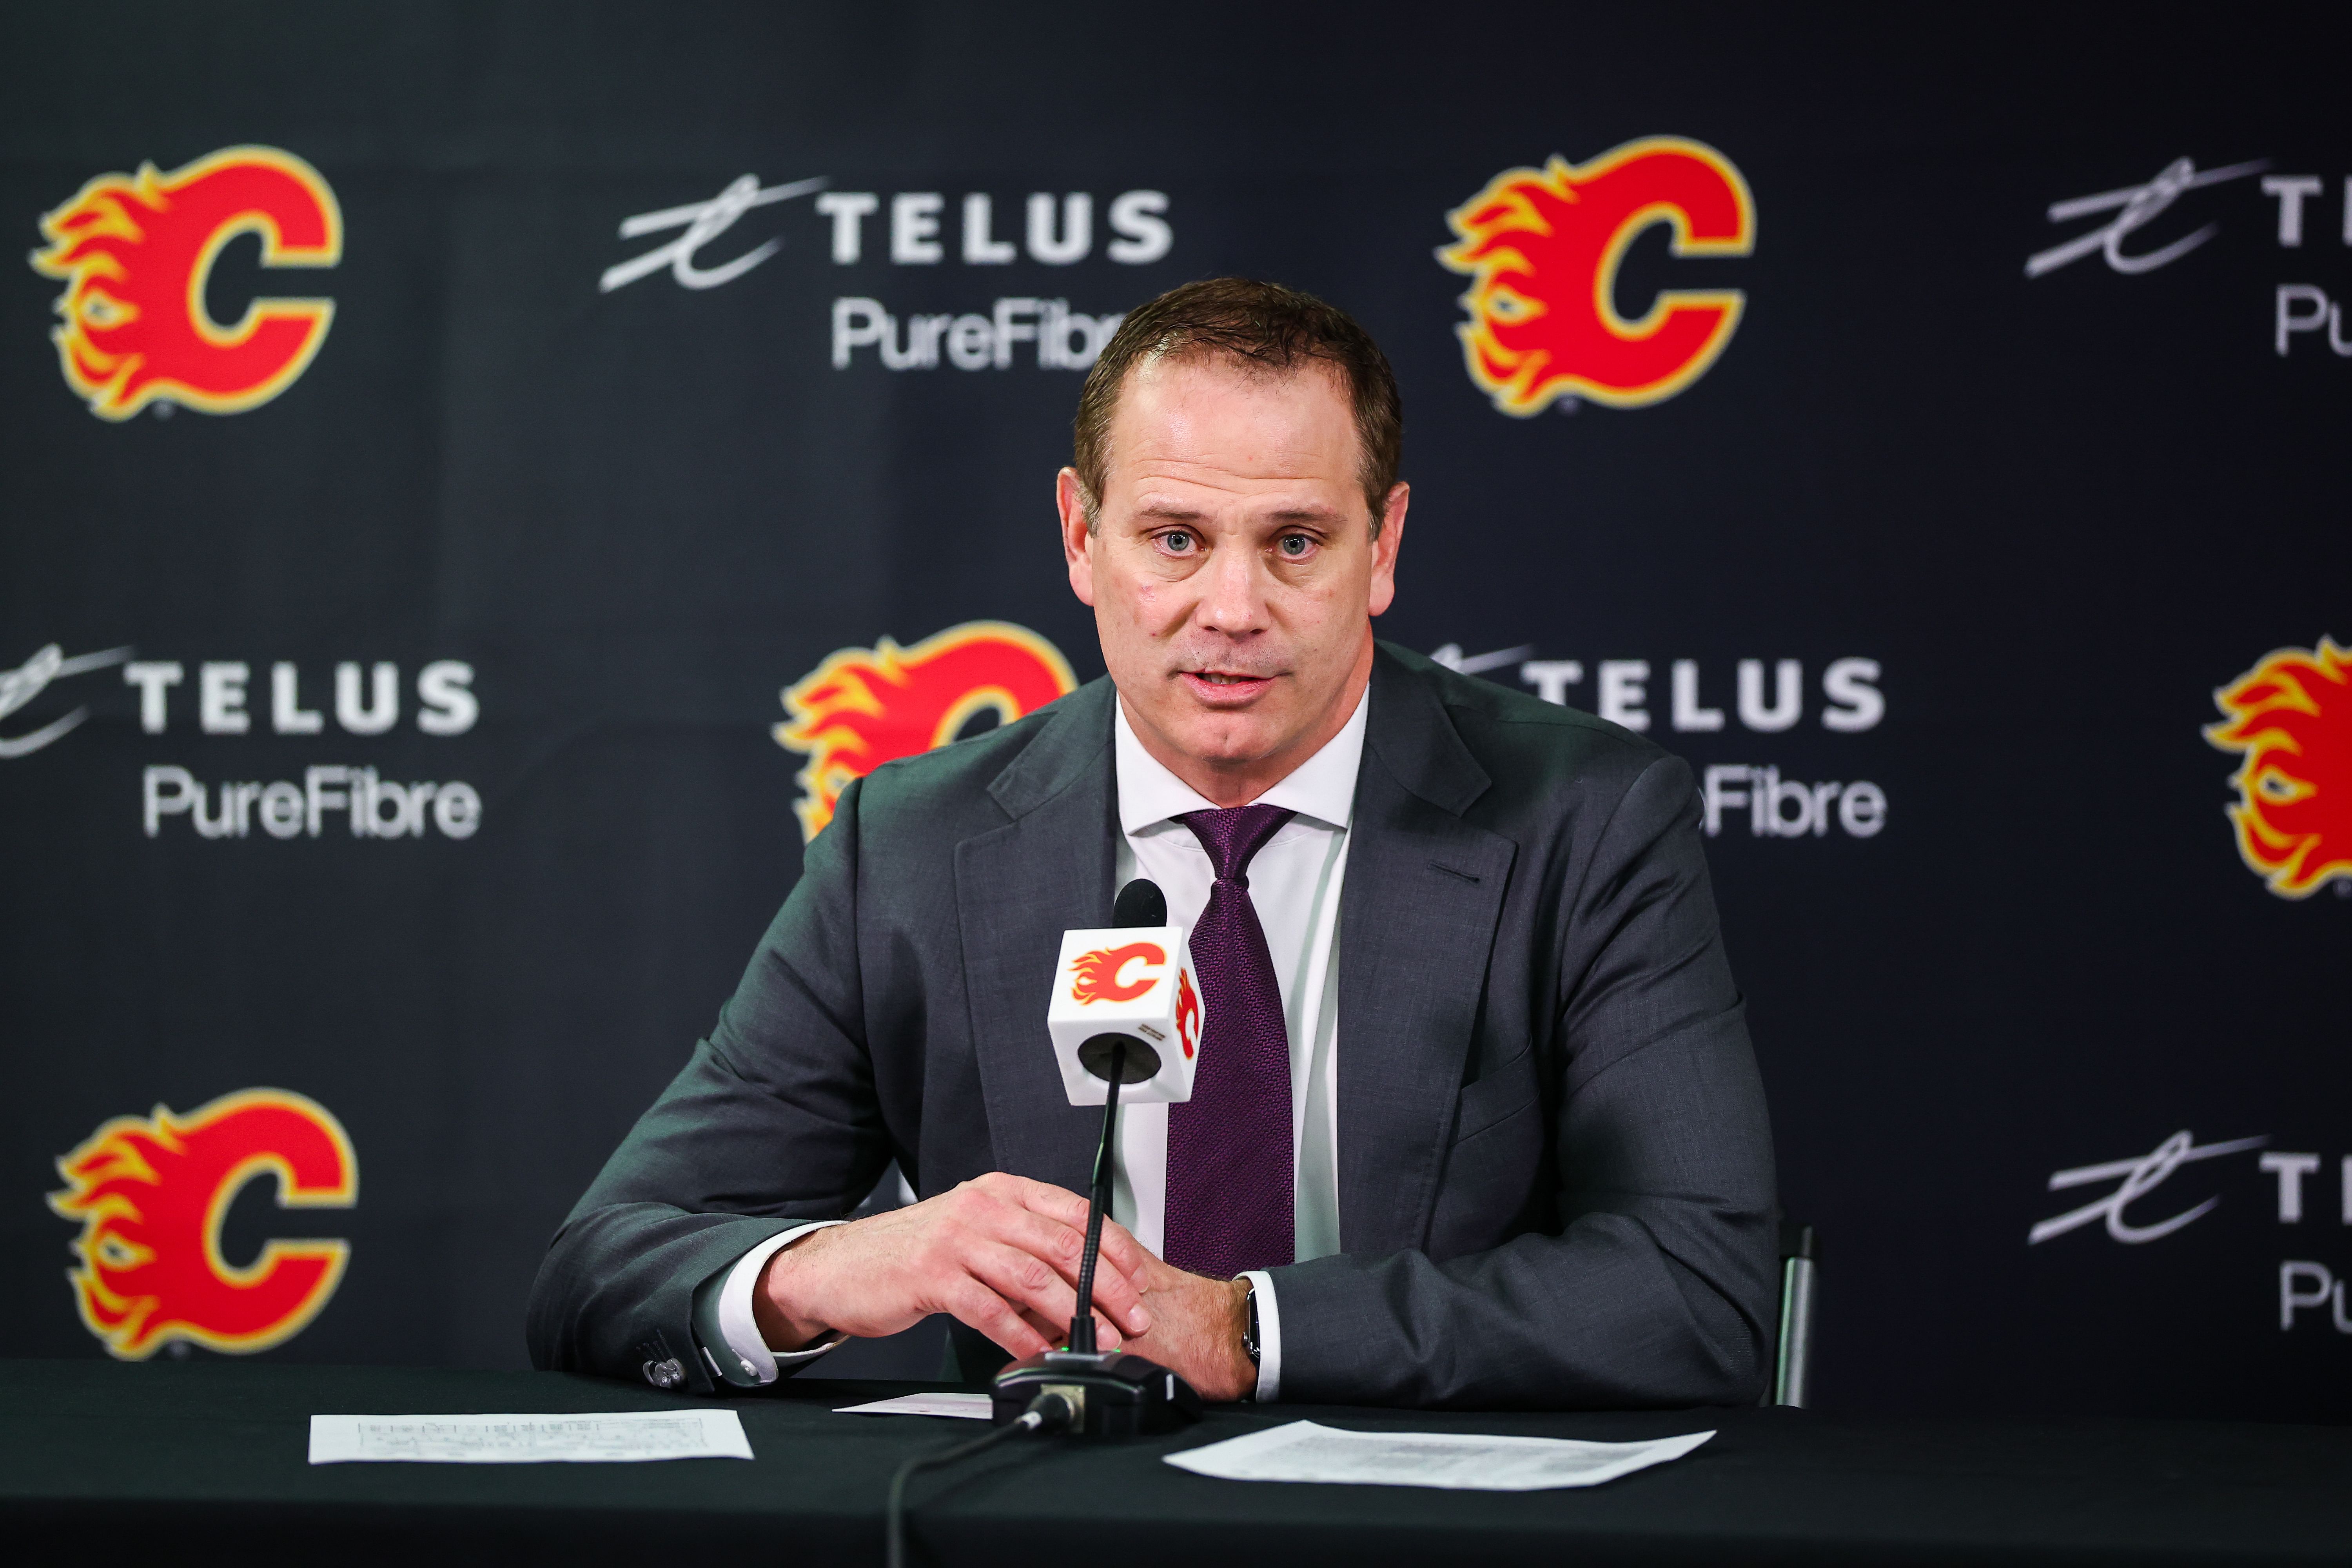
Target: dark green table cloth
206, 1462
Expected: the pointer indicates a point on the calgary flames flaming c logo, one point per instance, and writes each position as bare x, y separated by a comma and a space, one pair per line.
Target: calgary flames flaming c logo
1542, 248
150, 1193
863, 707
2291, 716
1097, 977
1187, 1013
135, 252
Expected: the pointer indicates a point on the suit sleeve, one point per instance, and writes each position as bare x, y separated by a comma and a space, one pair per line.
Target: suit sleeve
1655, 1284
772, 1122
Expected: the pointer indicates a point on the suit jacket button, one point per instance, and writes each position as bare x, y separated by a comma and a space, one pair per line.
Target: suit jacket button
665, 1374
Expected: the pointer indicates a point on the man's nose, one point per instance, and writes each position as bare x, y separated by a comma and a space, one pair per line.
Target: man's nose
1234, 599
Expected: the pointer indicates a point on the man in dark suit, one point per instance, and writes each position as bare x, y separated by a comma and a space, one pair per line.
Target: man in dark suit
1475, 1122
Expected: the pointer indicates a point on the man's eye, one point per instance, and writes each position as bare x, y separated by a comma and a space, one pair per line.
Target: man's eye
1177, 543
1295, 546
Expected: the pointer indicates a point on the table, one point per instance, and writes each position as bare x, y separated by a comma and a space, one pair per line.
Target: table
205, 1462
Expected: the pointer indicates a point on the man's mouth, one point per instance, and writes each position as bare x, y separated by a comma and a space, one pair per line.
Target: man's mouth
1221, 686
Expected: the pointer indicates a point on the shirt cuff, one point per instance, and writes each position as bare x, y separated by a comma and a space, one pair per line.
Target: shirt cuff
739, 1330
1269, 1336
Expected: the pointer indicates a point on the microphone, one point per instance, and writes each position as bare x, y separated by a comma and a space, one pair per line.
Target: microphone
1139, 903
1130, 988
1126, 1011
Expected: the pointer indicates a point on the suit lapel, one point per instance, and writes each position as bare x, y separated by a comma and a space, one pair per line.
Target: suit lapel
1417, 918
1018, 888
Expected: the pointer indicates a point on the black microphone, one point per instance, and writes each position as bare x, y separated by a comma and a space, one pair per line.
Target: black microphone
1139, 903
1112, 1394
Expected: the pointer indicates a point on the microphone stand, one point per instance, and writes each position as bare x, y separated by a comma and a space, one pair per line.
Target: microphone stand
1113, 1393
1082, 1320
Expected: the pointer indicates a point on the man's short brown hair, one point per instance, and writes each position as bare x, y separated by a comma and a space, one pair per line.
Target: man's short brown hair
1262, 324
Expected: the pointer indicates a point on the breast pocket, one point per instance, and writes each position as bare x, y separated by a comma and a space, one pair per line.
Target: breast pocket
1496, 1098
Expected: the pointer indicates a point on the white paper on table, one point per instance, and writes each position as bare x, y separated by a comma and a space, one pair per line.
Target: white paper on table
629, 1436
970, 1406
1305, 1451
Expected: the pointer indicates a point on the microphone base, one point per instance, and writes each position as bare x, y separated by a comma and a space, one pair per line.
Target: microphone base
1114, 1394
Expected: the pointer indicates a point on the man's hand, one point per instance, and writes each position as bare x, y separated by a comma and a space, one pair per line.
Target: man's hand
1196, 1328
1000, 1253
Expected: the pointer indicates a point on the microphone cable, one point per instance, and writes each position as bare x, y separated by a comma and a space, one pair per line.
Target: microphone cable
1048, 1413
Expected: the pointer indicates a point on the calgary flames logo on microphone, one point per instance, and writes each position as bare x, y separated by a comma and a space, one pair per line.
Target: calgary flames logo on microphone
2291, 717
1095, 976
864, 707
1188, 1012
151, 1193
136, 251
1542, 248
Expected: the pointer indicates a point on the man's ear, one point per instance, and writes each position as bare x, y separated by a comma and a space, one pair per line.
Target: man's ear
1077, 539
1385, 548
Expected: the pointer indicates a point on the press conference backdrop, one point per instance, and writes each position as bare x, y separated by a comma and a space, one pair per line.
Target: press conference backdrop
479, 481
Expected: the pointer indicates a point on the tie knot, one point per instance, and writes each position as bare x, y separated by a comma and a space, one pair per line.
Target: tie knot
1233, 836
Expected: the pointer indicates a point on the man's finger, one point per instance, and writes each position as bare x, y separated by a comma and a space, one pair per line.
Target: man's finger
1063, 1215
976, 1306
1026, 1281
1024, 1190
1056, 1202
1116, 1290
1120, 1245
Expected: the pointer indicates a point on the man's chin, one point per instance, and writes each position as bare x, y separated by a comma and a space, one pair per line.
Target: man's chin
1224, 738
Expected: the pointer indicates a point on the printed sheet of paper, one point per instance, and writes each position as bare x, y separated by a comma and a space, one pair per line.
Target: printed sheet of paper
620, 1437
971, 1407
1305, 1451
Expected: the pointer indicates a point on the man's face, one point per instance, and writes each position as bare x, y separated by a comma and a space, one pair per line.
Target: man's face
1232, 568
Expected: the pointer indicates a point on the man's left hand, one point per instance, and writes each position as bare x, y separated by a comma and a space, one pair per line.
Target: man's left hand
1196, 1329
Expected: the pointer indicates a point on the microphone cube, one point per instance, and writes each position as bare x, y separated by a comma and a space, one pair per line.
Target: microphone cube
1135, 981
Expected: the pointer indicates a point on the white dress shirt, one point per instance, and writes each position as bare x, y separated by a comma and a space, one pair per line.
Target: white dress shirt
1295, 884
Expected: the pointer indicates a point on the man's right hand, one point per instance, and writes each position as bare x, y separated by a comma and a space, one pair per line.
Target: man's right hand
999, 1252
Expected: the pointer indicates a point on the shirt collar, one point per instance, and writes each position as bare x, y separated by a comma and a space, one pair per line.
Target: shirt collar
1322, 787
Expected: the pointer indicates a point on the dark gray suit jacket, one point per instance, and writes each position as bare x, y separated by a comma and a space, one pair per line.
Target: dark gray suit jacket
1555, 1172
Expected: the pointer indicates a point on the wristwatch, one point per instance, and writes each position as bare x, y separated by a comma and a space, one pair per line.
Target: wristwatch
1249, 1332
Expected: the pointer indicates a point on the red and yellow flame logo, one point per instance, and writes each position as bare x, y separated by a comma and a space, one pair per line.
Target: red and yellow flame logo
150, 1193
864, 707
1187, 1013
1542, 248
135, 251
2291, 717
1096, 976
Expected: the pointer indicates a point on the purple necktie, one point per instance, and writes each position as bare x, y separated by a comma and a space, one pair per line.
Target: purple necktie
1230, 1205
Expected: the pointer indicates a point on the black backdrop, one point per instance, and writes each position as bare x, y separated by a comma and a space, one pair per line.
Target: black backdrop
2055, 513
